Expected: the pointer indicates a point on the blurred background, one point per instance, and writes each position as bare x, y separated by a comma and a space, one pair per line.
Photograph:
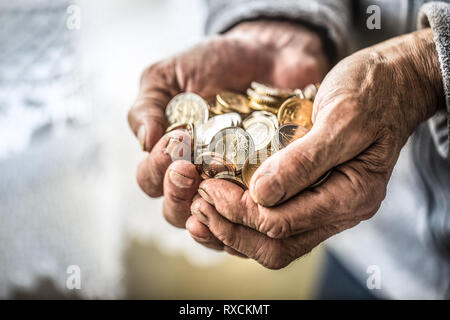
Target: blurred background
69, 71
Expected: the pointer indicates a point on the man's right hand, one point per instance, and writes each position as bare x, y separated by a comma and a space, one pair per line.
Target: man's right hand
283, 54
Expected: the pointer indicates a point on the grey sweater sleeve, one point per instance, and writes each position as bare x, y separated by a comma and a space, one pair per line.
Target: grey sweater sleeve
330, 17
437, 16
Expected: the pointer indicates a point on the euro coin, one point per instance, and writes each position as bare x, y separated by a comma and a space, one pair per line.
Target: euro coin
268, 115
310, 91
232, 178
262, 99
267, 90
286, 134
234, 144
190, 129
208, 130
299, 94
214, 107
233, 101
261, 107
250, 165
296, 110
209, 164
261, 129
187, 107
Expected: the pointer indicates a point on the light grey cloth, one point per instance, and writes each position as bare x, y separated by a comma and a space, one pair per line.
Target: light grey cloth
409, 237
437, 16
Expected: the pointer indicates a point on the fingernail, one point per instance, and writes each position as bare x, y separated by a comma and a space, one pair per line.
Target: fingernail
180, 180
201, 238
267, 191
201, 216
141, 135
205, 196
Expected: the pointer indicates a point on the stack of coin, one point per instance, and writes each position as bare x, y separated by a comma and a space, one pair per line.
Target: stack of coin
232, 134
266, 98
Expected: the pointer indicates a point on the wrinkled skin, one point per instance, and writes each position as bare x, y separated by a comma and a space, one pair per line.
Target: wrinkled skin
280, 53
364, 112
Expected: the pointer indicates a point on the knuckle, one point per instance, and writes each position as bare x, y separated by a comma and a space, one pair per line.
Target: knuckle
173, 219
272, 255
274, 225
226, 236
146, 184
251, 214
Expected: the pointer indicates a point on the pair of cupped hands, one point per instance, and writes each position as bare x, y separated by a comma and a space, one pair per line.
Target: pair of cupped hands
365, 110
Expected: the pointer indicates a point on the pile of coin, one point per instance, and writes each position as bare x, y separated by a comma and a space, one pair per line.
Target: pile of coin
232, 134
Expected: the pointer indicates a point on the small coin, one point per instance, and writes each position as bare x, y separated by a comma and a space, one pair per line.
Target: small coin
296, 110
310, 91
214, 107
299, 94
251, 164
268, 115
264, 99
232, 178
286, 134
261, 107
261, 129
191, 129
233, 101
208, 130
234, 144
187, 107
209, 164
270, 91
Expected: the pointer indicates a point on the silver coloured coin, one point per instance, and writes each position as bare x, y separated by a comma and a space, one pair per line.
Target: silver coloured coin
208, 130
261, 129
187, 107
235, 144
310, 92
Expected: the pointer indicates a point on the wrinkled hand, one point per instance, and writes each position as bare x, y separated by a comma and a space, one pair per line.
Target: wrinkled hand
281, 53
364, 112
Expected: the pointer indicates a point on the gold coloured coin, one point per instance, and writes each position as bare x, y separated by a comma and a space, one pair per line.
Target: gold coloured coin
286, 134
270, 91
209, 164
234, 144
232, 178
251, 164
263, 99
296, 110
190, 129
262, 107
214, 107
233, 101
187, 107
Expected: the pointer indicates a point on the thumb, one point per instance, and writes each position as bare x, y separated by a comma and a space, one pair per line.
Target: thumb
147, 121
304, 161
